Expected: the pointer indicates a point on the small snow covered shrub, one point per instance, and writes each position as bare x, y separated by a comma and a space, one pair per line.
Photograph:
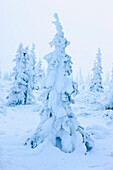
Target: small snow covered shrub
109, 103
58, 122
24, 72
96, 81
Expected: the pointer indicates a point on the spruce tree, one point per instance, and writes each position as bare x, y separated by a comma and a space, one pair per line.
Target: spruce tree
58, 122
96, 82
21, 91
15, 95
109, 102
32, 68
40, 75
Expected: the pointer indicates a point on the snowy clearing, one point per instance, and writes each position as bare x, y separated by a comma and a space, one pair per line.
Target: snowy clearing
20, 122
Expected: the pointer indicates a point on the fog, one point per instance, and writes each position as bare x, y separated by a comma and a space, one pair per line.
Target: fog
87, 24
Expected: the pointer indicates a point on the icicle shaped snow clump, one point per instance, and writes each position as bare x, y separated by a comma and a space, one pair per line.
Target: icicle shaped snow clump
58, 123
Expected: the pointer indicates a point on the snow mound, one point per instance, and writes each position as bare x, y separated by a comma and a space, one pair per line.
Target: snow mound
98, 132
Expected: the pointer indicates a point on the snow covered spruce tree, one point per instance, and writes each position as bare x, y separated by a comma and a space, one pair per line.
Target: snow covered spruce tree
15, 95
21, 91
32, 66
96, 82
58, 122
40, 75
109, 102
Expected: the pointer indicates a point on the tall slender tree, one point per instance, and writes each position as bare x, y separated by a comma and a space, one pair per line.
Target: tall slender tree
96, 82
58, 122
109, 101
32, 60
21, 91
40, 75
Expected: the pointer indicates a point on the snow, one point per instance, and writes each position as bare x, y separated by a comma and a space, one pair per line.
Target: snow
20, 122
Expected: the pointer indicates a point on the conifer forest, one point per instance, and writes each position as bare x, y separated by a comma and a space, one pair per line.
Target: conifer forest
56, 114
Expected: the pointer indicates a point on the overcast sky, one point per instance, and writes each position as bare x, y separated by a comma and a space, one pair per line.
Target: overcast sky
88, 24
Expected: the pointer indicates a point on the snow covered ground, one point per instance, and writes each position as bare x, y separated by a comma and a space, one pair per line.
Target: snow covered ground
18, 123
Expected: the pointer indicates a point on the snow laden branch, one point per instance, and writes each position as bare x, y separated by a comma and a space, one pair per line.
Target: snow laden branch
58, 122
